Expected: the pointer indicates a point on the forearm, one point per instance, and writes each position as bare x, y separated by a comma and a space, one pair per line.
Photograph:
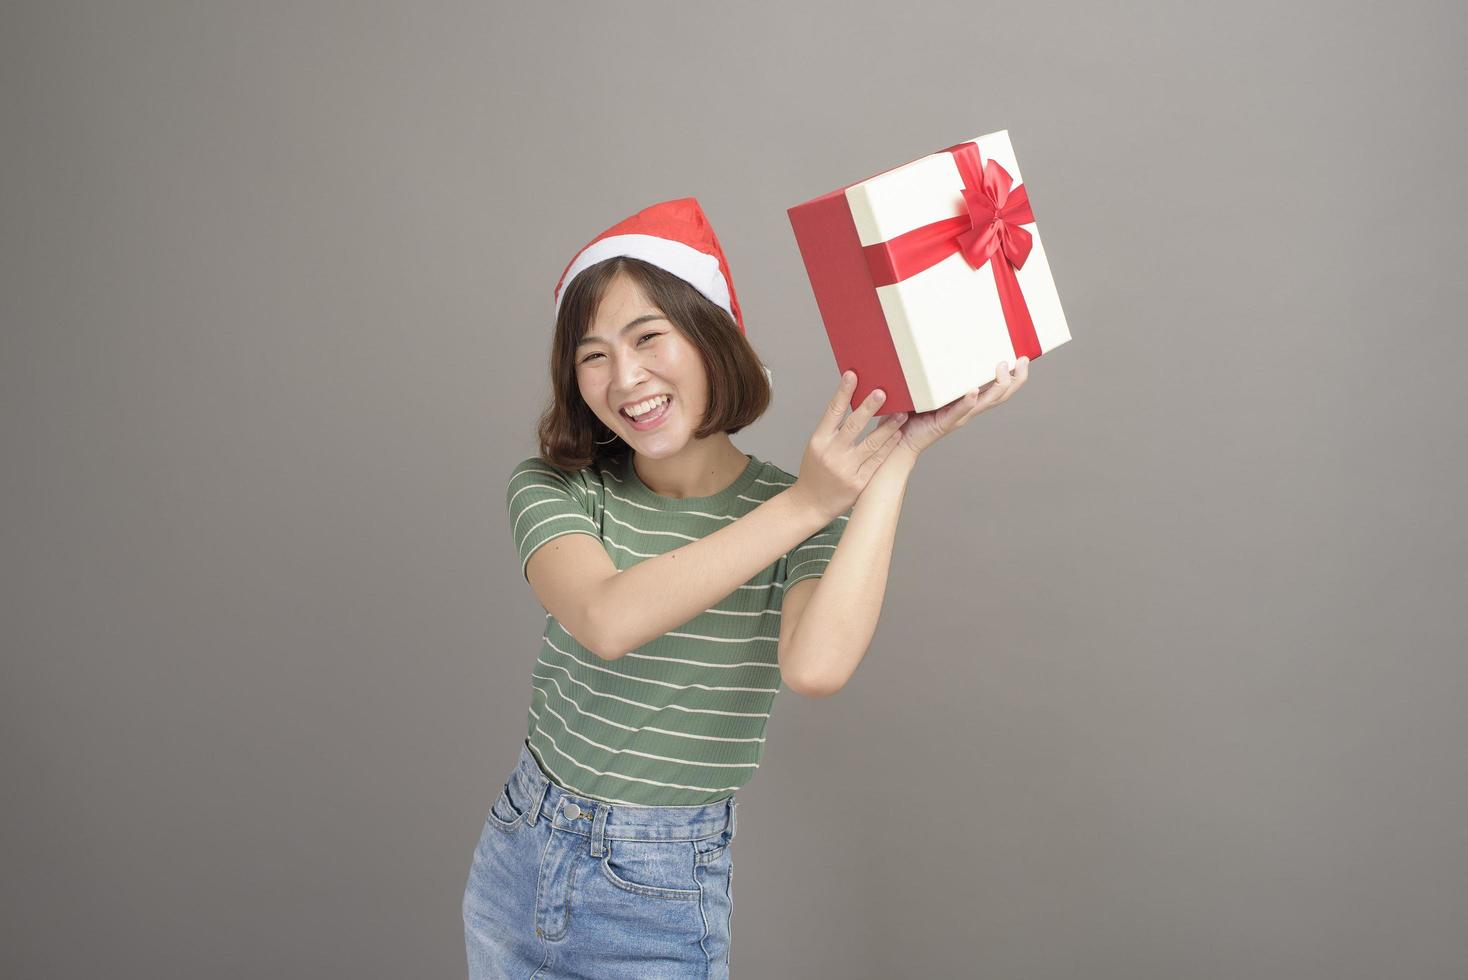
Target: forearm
661, 593
840, 619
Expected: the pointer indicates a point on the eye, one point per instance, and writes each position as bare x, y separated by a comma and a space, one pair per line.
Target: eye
588, 357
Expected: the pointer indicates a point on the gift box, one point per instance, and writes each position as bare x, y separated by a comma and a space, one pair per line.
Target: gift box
930, 274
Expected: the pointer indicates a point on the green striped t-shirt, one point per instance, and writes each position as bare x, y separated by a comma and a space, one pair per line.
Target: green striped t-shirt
679, 721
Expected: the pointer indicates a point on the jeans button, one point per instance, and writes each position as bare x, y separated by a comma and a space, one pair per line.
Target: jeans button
573, 812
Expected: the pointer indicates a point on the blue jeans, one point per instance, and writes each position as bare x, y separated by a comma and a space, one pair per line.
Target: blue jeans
565, 886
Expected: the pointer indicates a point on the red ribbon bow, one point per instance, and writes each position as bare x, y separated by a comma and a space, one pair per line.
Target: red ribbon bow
989, 231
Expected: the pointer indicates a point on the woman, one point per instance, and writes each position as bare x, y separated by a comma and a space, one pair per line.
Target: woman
683, 581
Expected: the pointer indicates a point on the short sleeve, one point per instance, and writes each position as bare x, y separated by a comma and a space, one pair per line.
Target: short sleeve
811, 556
545, 504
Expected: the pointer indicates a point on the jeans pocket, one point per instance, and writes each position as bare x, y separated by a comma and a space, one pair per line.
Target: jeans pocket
656, 869
503, 813
710, 850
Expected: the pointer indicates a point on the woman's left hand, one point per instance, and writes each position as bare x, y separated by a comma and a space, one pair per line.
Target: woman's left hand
922, 429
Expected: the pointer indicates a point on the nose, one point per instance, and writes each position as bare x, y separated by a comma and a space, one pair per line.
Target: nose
629, 373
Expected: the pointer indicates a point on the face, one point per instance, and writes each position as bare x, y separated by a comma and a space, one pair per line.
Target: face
630, 353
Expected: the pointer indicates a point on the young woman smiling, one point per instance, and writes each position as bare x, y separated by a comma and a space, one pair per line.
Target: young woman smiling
684, 581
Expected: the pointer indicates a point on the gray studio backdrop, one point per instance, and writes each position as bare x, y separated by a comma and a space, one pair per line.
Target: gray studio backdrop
1169, 682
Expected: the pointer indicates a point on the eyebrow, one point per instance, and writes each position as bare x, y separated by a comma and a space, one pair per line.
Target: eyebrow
637, 322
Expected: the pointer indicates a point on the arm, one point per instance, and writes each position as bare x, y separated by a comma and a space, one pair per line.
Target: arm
829, 628
636, 606
828, 632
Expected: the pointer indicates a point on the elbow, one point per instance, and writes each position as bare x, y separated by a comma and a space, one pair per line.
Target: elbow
598, 643
812, 687
595, 648
594, 626
602, 650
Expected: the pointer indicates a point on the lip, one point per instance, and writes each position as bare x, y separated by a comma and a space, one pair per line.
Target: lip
651, 423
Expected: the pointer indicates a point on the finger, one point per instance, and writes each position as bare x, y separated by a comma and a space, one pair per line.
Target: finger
961, 408
1000, 382
878, 436
891, 443
1021, 375
858, 419
973, 404
990, 395
836, 407
873, 462
974, 410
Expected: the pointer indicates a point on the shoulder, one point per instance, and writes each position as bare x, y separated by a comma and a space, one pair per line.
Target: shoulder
535, 471
536, 466
535, 477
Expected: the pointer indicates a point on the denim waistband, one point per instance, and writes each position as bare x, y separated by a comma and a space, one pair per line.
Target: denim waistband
615, 821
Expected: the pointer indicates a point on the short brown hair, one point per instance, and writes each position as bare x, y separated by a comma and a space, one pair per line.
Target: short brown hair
738, 391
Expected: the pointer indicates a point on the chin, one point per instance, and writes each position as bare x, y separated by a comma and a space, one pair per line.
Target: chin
662, 450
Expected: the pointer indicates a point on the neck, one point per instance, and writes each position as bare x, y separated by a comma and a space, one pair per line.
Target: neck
701, 469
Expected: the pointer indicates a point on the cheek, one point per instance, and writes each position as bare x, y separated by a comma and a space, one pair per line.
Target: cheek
589, 394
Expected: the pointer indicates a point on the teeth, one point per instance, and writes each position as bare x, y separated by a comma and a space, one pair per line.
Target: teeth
644, 407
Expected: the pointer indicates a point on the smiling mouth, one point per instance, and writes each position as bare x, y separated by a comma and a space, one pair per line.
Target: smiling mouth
652, 419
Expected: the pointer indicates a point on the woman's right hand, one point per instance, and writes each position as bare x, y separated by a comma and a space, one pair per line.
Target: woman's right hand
838, 464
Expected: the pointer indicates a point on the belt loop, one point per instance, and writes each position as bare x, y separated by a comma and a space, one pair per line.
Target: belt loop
538, 801
733, 815
599, 831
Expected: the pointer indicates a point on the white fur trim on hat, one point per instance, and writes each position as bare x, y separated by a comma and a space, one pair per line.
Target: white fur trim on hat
699, 269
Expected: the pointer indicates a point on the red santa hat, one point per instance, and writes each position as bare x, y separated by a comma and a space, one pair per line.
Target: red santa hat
673, 235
